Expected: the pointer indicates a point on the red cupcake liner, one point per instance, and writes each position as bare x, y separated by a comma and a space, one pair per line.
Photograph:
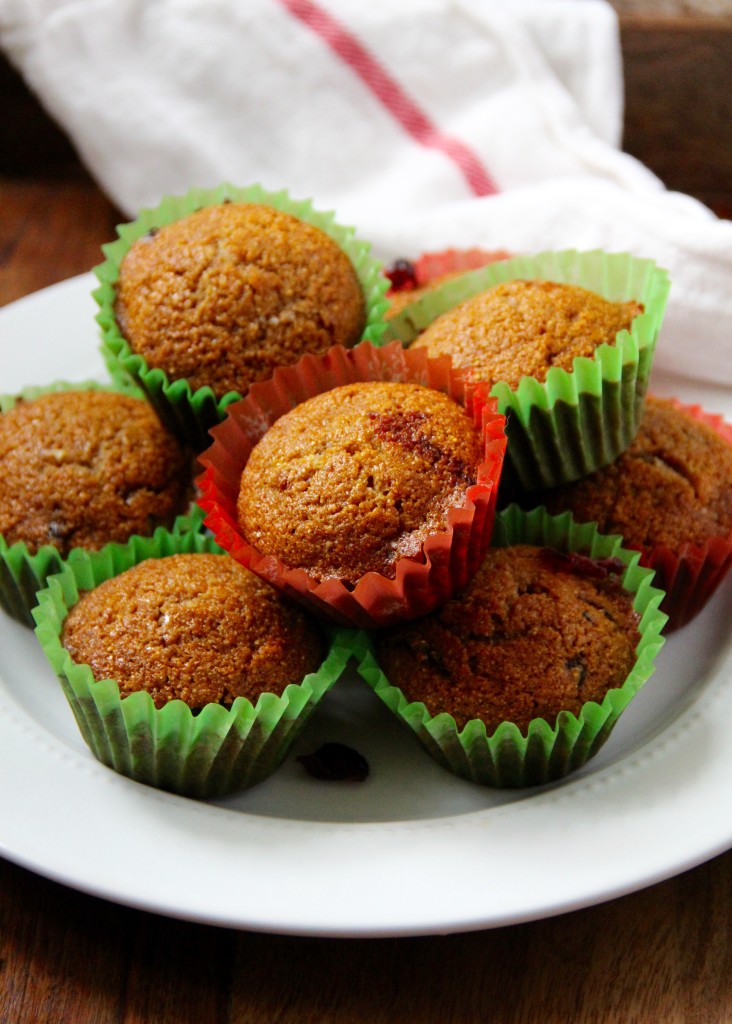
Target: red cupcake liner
448, 559
692, 574
407, 275
431, 265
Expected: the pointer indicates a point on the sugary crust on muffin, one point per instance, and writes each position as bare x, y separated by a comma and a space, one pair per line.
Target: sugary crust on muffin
357, 477
524, 328
197, 627
227, 294
82, 468
672, 486
522, 641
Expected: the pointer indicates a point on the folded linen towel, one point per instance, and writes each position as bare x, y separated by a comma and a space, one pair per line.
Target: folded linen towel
426, 123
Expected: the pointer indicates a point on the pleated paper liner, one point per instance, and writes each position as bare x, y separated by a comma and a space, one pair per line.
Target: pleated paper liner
188, 412
545, 752
691, 575
430, 266
23, 573
449, 558
407, 277
574, 422
216, 751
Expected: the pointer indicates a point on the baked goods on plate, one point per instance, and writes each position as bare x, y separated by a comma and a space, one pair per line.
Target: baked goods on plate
182, 669
563, 422
210, 291
81, 465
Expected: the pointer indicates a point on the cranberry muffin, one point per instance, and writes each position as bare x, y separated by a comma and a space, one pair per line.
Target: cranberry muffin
225, 295
522, 676
670, 497
530, 636
81, 468
356, 478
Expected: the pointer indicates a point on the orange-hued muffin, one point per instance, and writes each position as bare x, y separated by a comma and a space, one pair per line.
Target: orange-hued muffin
228, 293
672, 486
83, 468
194, 627
357, 477
670, 497
523, 328
534, 633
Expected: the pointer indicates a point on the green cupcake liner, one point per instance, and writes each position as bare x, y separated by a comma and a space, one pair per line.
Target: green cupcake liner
191, 413
216, 751
22, 573
575, 422
508, 758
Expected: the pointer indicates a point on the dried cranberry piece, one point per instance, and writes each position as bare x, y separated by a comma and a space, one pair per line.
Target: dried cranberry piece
581, 565
403, 275
335, 762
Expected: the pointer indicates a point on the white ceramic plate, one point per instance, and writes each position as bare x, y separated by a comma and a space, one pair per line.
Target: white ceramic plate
412, 850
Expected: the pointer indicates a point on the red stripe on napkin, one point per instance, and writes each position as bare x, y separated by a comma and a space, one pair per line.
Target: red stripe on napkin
391, 94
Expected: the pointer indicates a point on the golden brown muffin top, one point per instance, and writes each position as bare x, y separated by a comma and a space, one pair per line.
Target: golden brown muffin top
196, 627
524, 640
672, 486
524, 328
227, 294
82, 468
357, 477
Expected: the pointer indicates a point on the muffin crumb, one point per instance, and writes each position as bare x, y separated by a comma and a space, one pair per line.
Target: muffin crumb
523, 328
194, 627
83, 468
225, 295
355, 478
524, 640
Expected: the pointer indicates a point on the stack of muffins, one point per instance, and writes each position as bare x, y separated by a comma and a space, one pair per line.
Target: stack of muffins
183, 669
352, 459
664, 482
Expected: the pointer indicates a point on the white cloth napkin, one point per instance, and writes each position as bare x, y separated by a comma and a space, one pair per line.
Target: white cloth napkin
424, 123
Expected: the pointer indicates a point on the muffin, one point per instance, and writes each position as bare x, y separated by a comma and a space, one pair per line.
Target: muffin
410, 280
212, 291
531, 635
585, 326
183, 670
80, 467
382, 507
520, 678
193, 627
670, 497
225, 295
356, 478
522, 328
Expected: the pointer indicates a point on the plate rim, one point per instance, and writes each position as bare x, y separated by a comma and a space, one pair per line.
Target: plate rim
23, 843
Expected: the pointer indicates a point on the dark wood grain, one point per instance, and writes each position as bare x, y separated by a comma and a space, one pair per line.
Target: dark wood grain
678, 102
664, 954
50, 230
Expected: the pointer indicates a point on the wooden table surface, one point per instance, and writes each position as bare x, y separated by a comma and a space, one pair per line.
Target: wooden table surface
660, 955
